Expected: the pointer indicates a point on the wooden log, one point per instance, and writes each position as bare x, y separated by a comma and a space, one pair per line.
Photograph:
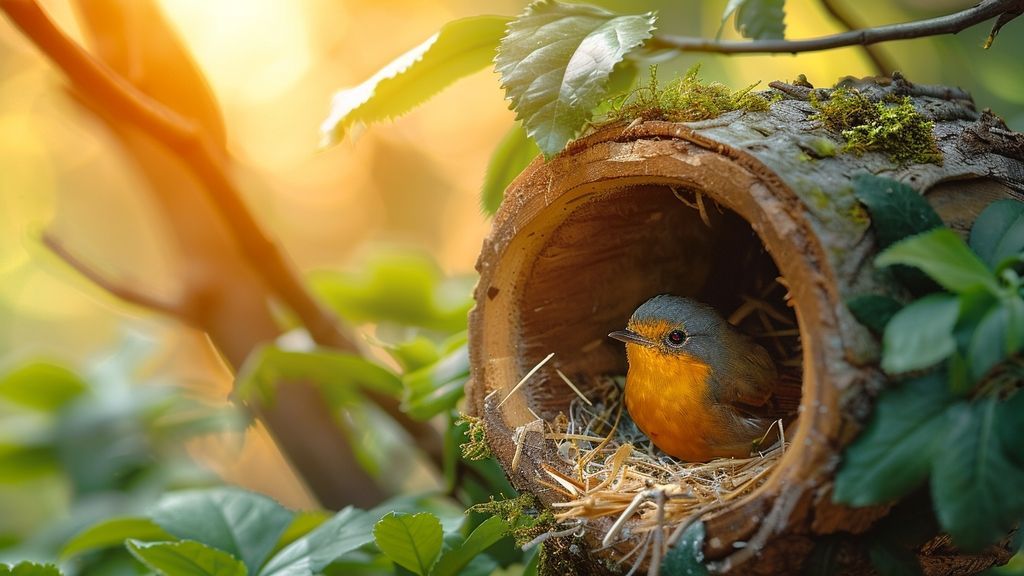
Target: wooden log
581, 240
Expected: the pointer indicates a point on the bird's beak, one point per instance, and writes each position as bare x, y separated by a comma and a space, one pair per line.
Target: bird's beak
630, 337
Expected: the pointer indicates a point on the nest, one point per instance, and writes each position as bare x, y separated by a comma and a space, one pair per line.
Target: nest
609, 469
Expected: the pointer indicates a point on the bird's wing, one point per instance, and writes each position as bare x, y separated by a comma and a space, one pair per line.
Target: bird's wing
750, 377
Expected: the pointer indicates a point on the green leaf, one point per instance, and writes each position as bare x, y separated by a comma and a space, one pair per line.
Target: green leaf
874, 311
29, 569
513, 154
458, 49
921, 334
894, 453
413, 541
302, 523
339, 374
998, 233
890, 559
434, 389
897, 210
185, 558
24, 462
483, 537
943, 256
346, 531
975, 483
41, 386
687, 555
414, 353
999, 335
555, 62
113, 532
759, 19
241, 523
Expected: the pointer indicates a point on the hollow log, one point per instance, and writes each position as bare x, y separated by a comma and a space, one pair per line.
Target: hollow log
582, 239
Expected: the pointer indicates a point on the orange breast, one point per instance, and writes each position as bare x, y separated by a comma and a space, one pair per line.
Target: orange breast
668, 398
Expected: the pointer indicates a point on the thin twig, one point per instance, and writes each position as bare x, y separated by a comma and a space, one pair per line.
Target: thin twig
949, 24
879, 61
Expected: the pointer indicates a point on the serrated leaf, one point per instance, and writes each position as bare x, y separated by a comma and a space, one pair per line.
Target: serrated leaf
413, 541
513, 154
185, 558
346, 531
944, 257
897, 210
436, 388
41, 386
874, 311
481, 538
458, 49
686, 557
998, 233
244, 524
759, 19
29, 569
921, 334
113, 532
555, 62
975, 484
894, 453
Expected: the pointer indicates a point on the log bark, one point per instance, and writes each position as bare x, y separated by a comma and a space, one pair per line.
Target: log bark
582, 239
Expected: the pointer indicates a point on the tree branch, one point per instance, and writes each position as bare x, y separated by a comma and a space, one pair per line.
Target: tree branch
879, 61
950, 24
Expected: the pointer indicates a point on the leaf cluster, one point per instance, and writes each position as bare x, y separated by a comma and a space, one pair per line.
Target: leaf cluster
953, 414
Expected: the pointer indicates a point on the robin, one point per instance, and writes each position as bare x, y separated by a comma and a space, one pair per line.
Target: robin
698, 387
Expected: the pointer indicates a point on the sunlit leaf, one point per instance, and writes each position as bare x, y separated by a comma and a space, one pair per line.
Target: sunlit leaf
185, 558
242, 523
29, 569
998, 232
921, 334
975, 483
113, 532
944, 257
415, 353
555, 62
311, 553
894, 453
460, 48
24, 462
483, 537
436, 388
515, 151
413, 541
41, 385
302, 523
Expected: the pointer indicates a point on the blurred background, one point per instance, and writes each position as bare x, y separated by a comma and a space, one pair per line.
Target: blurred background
414, 183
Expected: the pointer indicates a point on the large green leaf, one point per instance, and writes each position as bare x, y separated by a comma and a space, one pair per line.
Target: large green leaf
894, 453
555, 62
241, 523
483, 537
921, 334
976, 486
686, 557
460, 48
185, 558
897, 210
113, 532
339, 374
413, 541
943, 256
998, 233
346, 531
436, 388
41, 385
873, 310
999, 335
302, 523
514, 152
29, 569
24, 462
758, 19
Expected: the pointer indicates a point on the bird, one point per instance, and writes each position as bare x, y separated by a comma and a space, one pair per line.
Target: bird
696, 386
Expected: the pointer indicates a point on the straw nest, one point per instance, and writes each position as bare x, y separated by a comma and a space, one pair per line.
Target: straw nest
607, 468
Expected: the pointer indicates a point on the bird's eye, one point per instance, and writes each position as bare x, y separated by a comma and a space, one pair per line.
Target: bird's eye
676, 338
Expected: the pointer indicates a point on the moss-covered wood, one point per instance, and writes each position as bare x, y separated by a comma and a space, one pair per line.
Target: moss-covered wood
581, 240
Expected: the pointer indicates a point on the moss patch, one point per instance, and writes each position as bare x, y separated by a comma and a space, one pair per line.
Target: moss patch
685, 99
894, 128
475, 447
524, 514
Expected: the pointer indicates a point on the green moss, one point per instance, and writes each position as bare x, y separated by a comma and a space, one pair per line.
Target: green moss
820, 198
823, 147
475, 447
896, 128
685, 99
524, 513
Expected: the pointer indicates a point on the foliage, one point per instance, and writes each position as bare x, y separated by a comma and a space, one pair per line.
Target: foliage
515, 151
686, 557
758, 19
951, 422
896, 129
685, 99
